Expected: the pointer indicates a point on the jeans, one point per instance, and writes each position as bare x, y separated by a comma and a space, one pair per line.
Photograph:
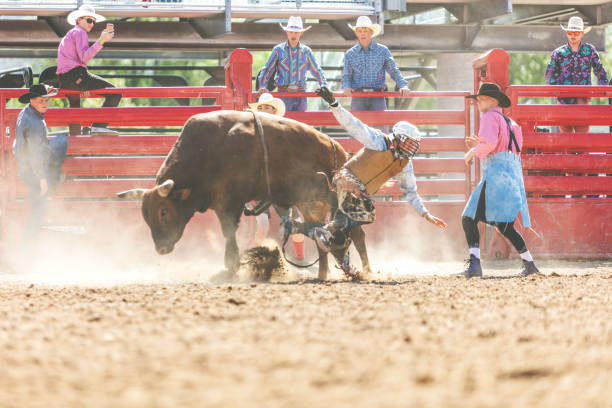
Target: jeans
79, 79
59, 146
295, 104
368, 104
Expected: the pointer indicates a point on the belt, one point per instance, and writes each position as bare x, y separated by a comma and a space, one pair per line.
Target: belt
290, 88
370, 89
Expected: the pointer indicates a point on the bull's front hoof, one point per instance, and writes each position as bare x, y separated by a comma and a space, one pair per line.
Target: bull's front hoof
224, 276
164, 250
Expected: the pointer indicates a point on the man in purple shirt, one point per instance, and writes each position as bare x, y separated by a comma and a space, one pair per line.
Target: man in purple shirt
72, 56
571, 64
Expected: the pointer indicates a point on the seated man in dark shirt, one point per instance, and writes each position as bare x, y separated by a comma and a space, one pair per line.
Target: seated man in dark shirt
39, 160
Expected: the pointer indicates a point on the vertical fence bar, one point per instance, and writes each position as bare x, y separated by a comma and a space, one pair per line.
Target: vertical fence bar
239, 77
4, 180
467, 127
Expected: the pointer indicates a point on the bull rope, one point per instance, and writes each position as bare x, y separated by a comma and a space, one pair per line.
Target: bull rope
260, 130
284, 244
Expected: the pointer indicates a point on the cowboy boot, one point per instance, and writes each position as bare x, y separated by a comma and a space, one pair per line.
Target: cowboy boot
473, 269
529, 268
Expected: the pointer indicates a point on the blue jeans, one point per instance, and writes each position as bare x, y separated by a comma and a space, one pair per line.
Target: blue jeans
295, 104
59, 146
368, 104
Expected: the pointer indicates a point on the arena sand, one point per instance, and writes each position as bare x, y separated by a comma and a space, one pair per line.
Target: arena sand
98, 334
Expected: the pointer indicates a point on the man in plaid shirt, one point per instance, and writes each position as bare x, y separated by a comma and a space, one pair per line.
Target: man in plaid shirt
291, 60
365, 65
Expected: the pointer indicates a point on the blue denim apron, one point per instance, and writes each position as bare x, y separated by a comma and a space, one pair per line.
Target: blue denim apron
504, 189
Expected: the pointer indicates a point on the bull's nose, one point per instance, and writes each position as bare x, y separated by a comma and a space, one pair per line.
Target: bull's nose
164, 250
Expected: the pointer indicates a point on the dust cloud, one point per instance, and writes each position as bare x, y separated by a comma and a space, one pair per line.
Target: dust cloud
106, 256
109, 255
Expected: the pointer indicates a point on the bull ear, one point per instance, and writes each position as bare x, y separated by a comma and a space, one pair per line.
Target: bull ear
164, 188
134, 193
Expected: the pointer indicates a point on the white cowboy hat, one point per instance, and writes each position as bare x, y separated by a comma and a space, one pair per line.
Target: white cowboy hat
268, 99
364, 21
576, 24
84, 11
294, 24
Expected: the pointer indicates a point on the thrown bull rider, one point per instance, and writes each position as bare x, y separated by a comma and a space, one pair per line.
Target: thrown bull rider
382, 157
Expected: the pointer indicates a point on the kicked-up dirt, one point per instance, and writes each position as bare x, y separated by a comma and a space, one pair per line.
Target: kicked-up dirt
403, 338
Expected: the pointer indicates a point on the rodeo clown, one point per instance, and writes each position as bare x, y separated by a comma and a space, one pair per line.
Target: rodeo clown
500, 195
382, 157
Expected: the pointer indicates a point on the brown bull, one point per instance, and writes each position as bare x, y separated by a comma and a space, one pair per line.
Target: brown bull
218, 163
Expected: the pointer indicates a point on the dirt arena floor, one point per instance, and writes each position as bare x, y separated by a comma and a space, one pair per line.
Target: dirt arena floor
407, 337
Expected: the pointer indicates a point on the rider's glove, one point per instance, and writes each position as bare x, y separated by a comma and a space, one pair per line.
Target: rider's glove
327, 95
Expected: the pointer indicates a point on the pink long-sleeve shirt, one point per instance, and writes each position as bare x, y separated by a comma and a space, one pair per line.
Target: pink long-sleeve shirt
494, 134
74, 50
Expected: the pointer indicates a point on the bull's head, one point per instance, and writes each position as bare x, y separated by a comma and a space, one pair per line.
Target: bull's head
164, 210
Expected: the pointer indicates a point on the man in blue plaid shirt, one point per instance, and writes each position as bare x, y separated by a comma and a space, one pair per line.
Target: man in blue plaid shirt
291, 59
365, 65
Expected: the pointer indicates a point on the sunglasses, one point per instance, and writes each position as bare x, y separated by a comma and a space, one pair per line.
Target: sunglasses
90, 20
574, 33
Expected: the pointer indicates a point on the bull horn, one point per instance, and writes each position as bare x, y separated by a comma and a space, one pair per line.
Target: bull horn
133, 193
164, 188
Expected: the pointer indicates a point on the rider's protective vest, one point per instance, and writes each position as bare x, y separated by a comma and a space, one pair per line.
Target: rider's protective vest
374, 168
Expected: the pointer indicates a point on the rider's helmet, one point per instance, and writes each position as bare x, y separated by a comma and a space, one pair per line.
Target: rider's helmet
407, 138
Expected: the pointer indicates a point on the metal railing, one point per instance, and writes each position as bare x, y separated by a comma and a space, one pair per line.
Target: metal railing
106, 4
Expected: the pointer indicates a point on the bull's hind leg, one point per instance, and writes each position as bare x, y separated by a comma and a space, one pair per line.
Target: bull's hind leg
229, 225
358, 236
323, 264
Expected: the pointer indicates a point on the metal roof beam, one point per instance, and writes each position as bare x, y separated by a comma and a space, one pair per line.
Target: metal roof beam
478, 11
142, 37
213, 26
523, 14
59, 25
466, 12
342, 28
597, 15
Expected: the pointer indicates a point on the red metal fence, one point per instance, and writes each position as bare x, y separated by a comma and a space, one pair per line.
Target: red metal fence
100, 166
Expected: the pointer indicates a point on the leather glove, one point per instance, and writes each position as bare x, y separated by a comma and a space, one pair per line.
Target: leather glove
327, 95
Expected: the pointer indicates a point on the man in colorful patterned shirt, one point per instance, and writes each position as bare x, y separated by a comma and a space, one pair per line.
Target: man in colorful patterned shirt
291, 60
571, 64
365, 65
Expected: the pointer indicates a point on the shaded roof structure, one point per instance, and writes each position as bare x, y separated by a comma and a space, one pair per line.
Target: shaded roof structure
197, 28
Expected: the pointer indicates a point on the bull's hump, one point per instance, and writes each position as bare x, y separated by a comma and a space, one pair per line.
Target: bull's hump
221, 116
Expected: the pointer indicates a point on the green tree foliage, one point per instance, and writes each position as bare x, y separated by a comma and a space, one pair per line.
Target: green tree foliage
528, 69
